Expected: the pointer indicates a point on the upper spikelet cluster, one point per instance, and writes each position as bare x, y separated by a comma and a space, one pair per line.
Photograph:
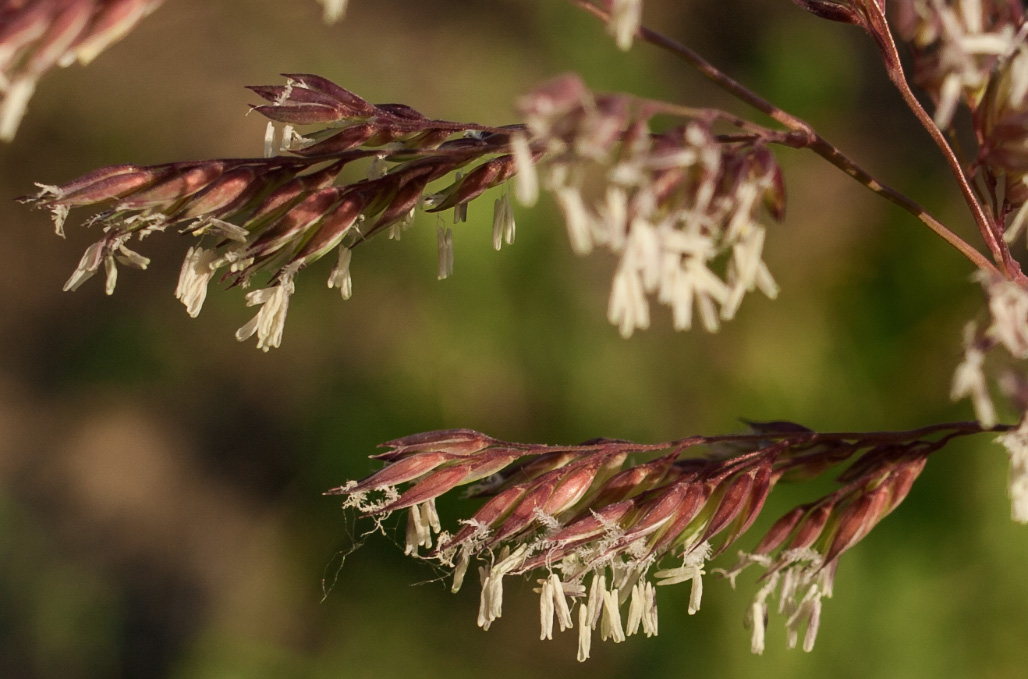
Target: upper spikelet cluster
268, 218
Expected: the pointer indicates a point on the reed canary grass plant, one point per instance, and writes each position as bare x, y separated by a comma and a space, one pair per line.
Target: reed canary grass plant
684, 197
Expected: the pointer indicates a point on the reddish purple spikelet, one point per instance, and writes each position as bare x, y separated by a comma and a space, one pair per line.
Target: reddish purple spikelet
456, 441
221, 195
179, 182
104, 184
814, 522
833, 10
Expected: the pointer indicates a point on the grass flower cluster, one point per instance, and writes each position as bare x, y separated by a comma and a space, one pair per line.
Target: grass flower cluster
682, 197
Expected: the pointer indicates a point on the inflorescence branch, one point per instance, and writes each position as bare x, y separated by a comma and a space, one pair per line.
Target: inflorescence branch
680, 206
268, 218
600, 525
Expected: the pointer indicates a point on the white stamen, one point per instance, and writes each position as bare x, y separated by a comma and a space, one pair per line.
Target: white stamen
526, 182
625, 17
813, 624
577, 218
431, 516
969, 380
595, 604
334, 10
649, 620
445, 238
503, 222
463, 558
220, 227
340, 276
15, 102
696, 594
1016, 443
758, 611
460, 211
628, 308
614, 212
610, 626
196, 274
269, 140
546, 610
112, 274
414, 531
88, 265
59, 213
270, 320
132, 258
560, 603
635, 610
585, 636
949, 97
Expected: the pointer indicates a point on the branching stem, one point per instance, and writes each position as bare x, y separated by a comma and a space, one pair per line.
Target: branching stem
806, 137
794, 436
990, 234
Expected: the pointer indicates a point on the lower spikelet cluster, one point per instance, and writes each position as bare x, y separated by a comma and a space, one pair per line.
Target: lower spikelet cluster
602, 525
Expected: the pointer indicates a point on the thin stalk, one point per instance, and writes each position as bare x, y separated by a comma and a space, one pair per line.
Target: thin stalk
948, 431
837, 158
726, 83
880, 31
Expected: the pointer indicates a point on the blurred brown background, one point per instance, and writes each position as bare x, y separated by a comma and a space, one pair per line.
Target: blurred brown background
160, 507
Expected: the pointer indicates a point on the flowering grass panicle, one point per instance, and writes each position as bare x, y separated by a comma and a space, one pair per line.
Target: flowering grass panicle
680, 196
599, 526
269, 218
680, 206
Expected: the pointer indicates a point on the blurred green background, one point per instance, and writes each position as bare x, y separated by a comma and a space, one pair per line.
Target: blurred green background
160, 484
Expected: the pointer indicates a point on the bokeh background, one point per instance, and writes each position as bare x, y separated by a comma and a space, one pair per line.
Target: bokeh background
160, 484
